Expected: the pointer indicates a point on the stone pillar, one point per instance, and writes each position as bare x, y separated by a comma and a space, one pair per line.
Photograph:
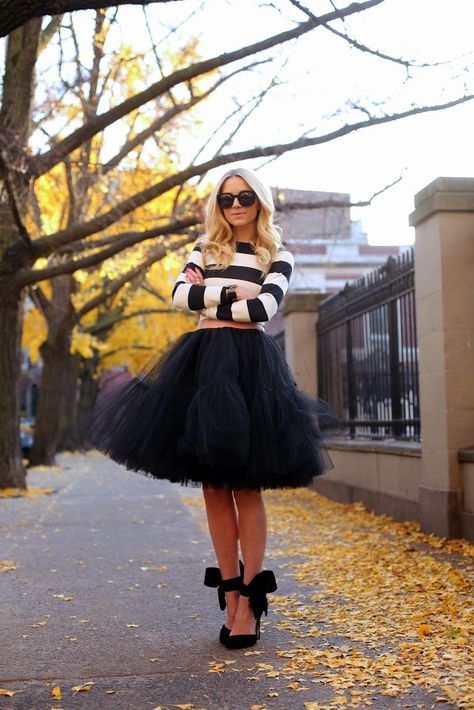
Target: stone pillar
444, 283
300, 313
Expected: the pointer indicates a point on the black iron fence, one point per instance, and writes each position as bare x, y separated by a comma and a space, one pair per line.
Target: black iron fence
368, 353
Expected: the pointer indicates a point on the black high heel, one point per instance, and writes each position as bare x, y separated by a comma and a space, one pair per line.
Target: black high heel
213, 578
263, 583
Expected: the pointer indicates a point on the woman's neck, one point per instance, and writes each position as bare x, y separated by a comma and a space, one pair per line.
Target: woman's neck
246, 233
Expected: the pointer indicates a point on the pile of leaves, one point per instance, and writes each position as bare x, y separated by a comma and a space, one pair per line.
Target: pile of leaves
387, 609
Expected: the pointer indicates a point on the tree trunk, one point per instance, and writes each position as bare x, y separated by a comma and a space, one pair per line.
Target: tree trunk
15, 116
55, 356
12, 470
68, 439
54, 353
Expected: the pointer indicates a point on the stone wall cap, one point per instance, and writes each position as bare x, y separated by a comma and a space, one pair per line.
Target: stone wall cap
445, 194
303, 301
445, 184
384, 446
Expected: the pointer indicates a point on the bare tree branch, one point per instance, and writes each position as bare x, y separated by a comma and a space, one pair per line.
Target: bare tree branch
155, 53
254, 104
79, 247
48, 33
126, 347
109, 321
130, 239
10, 190
44, 162
153, 291
83, 246
39, 298
110, 289
166, 117
362, 47
283, 206
14, 13
45, 245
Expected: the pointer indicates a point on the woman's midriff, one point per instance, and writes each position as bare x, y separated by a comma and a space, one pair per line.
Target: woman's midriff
214, 323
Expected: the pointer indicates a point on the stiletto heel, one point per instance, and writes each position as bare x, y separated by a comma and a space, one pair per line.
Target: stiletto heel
262, 584
213, 578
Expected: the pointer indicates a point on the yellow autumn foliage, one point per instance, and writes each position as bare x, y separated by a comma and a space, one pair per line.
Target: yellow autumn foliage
34, 333
132, 341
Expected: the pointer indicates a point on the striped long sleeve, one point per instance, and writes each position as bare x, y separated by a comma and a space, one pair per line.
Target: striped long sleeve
265, 305
193, 297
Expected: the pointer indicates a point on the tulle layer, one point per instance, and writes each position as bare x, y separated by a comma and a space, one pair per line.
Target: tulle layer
220, 407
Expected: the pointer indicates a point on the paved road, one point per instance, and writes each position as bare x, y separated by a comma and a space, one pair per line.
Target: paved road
108, 588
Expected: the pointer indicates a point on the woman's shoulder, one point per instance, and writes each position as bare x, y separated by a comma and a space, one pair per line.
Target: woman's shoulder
200, 242
284, 252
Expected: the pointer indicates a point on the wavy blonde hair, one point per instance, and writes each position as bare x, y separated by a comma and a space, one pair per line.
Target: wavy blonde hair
218, 239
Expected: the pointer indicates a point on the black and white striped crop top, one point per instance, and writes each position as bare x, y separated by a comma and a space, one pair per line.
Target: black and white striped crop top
244, 270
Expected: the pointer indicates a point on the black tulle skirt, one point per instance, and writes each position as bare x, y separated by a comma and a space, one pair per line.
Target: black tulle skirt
219, 407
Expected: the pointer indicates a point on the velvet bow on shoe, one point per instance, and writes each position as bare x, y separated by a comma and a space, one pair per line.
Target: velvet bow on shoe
213, 578
262, 584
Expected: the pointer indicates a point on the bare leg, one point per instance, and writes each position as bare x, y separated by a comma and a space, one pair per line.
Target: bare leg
222, 522
253, 537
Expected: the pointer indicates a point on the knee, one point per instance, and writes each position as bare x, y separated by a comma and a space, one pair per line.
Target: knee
244, 497
217, 496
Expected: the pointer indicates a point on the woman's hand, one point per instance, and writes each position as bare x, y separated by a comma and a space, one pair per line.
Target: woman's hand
193, 277
244, 293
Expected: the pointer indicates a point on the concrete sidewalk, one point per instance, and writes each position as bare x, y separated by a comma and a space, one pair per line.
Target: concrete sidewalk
108, 589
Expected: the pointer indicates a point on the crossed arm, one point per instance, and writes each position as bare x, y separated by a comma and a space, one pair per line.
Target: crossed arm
190, 293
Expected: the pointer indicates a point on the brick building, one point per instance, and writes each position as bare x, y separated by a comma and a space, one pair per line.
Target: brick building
329, 249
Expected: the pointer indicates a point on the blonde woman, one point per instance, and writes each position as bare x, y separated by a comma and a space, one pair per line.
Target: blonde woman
221, 408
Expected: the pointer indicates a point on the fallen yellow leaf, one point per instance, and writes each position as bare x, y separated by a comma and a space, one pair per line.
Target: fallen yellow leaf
84, 687
7, 565
30, 492
56, 692
424, 630
7, 693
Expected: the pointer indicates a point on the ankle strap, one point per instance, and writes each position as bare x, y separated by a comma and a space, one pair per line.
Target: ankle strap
263, 583
231, 585
213, 578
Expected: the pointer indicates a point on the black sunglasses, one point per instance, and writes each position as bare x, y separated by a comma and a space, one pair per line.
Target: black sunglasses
246, 198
